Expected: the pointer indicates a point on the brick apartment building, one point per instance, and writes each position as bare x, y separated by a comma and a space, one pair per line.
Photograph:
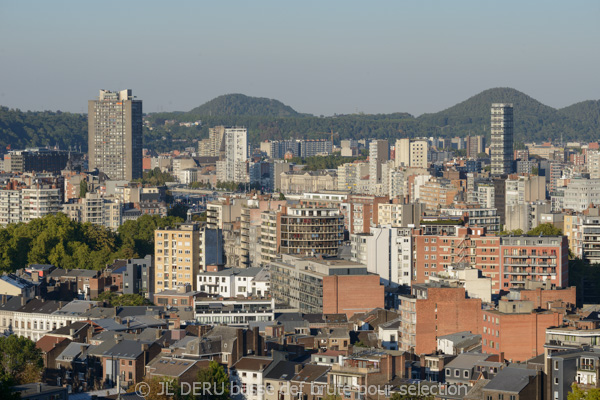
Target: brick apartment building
517, 330
508, 260
362, 211
325, 285
435, 253
434, 310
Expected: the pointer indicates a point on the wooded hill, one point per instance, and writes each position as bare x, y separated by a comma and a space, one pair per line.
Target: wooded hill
271, 119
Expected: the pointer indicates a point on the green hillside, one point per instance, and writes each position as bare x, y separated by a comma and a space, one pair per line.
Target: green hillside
532, 119
20, 129
242, 105
271, 119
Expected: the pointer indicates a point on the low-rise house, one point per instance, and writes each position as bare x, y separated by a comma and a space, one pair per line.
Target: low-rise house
389, 333
247, 376
183, 369
564, 368
458, 343
12, 285
515, 383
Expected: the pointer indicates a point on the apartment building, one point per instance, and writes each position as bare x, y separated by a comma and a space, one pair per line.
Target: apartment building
176, 256
433, 310
309, 231
325, 285
387, 252
411, 152
115, 135
509, 261
516, 329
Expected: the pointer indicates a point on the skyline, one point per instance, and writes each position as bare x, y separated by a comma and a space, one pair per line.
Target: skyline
317, 58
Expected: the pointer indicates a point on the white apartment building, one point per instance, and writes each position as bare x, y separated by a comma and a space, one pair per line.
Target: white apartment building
412, 152
235, 145
27, 204
233, 282
379, 153
580, 193
387, 252
350, 174
97, 210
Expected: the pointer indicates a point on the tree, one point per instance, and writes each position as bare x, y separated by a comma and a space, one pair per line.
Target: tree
20, 361
123, 300
545, 230
281, 196
178, 210
578, 394
218, 380
83, 188
516, 232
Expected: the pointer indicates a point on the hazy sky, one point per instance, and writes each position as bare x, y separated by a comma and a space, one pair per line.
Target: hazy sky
320, 57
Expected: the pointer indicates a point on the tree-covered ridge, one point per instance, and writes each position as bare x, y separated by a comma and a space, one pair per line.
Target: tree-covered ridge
21, 129
57, 240
239, 104
268, 119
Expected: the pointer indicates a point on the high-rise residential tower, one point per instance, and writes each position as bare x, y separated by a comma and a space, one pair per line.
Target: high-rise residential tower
234, 153
379, 153
501, 148
115, 135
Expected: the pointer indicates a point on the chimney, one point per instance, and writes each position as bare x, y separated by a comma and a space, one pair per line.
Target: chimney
39, 387
158, 334
23, 301
297, 368
72, 332
3, 299
82, 348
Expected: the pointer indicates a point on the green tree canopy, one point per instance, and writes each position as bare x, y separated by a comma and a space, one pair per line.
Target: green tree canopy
579, 394
218, 380
546, 230
20, 361
123, 300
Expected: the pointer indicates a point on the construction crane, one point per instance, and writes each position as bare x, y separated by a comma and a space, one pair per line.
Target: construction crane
332, 134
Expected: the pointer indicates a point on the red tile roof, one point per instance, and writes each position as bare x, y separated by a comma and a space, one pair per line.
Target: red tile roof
47, 343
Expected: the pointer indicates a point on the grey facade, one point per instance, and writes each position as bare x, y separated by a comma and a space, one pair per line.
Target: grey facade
115, 135
501, 149
138, 277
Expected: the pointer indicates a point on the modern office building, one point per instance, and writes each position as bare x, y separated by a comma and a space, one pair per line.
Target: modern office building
501, 148
115, 135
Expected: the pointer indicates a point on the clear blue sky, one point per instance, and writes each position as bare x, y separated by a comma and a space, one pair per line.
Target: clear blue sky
320, 57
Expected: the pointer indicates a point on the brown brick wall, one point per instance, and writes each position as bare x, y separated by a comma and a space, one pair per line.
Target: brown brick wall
541, 297
352, 294
520, 336
454, 314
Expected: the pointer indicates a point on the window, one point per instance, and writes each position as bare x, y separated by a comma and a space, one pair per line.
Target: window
466, 374
456, 373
